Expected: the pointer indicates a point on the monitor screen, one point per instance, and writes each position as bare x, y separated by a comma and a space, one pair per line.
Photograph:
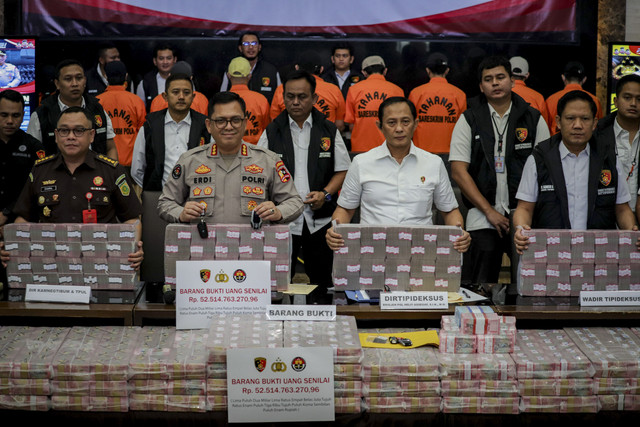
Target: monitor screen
625, 59
18, 70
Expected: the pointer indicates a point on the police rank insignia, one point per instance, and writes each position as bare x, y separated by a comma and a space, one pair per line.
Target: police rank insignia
283, 173
40, 154
214, 149
202, 140
325, 143
266, 81
244, 150
176, 172
257, 190
97, 181
253, 168
605, 177
202, 169
521, 134
246, 189
98, 121
123, 185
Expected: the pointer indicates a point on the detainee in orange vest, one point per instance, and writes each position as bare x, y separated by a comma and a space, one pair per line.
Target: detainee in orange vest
439, 105
257, 110
520, 71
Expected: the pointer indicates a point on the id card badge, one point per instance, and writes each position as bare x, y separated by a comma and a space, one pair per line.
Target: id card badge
499, 164
89, 216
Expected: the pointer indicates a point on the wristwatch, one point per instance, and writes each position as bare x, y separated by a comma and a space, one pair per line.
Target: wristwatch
327, 195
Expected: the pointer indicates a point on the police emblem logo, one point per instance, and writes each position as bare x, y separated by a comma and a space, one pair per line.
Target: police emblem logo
266, 81
239, 275
176, 172
325, 143
98, 121
125, 190
253, 168
260, 363
202, 169
208, 191
521, 134
257, 190
355, 79
205, 275
40, 154
605, 177
252, 205
298, 364
40, 200
55, 197
98, 181
422, 179
197, 191
283, 173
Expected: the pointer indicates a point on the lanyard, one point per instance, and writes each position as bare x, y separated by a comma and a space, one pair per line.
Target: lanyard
500, 134
633, 163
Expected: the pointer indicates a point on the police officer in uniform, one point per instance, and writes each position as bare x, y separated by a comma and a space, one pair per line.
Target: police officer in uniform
228, 179
9, 73
64, 187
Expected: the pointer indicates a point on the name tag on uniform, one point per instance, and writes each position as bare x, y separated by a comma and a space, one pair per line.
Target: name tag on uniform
499, 164
605, 191
101, 130
523, 146
265, 89
323, 155
548, 187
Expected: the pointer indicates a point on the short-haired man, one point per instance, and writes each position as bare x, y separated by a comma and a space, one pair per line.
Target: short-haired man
329, 98
153, 83
200, 102
59, 185
71, 83
571, 181
397, 182
341, 74
520, 70
9, 73
439, 105
239, 74
313, 150
18, 152
125, 110
167, 134
573, 77
264, 75
489, 146
363, 100
97, 80
621, 129
227, 180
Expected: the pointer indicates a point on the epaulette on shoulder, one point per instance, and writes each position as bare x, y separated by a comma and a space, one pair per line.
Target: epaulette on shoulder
45, 159
107, 160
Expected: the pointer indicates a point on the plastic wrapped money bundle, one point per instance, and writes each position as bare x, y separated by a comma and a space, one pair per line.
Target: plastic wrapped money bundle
92, 255
477, 329
230, 242
400, 258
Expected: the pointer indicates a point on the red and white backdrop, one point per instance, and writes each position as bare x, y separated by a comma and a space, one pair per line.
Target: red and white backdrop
498, 19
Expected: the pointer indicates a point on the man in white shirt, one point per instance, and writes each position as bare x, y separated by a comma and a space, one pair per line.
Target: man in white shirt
489, 146
71, 83
572, 181
153, 83
313, 151
396, 182
620, 129
166, 134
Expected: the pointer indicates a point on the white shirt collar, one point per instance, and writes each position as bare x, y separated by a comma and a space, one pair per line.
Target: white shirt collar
168, 119
493, 111
64, 106
292, 122
564, 151
618, 130
384, 151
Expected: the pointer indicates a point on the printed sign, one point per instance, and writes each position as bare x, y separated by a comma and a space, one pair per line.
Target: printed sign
205, 288
280, 384
609, 298
413, 301
58, 293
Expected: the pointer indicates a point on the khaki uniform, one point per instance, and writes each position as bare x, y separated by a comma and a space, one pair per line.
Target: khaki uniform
53, 194
230, 193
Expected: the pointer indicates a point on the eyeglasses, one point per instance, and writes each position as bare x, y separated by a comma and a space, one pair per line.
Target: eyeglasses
76, 131
222, 123
251, 43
